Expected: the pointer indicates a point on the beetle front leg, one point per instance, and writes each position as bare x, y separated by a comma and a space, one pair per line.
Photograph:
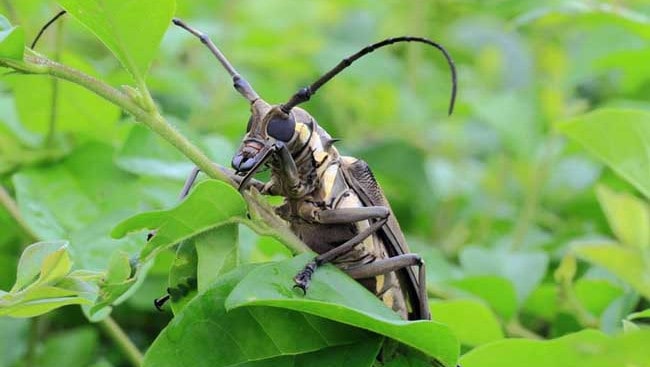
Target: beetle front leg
385, 266
191, 179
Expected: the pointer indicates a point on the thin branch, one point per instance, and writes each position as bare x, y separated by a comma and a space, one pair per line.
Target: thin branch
12, 208
38, 64
115, 333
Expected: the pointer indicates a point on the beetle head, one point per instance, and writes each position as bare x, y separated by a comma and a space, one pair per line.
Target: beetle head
268, 129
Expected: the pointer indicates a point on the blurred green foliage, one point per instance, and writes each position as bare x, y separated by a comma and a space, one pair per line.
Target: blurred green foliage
526, 233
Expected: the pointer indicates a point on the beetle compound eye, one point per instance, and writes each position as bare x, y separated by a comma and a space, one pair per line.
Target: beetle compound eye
281, 129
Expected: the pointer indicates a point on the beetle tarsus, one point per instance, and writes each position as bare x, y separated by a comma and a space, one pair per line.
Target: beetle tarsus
303, 278
159, 302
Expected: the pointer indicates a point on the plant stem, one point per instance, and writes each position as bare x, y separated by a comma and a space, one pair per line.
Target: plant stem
54, 108
37, 64
516, 329
113, 330
12, 208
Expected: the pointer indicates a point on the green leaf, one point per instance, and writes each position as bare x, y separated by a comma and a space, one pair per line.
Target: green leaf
543, 302
76, 347
359, 354
200, 261
147, 153
596, 294
31, 261
12, 40
628, 216
131, 29
78, 111
210, 205
639, 315
473, 323
524, 269
618, 137
587, 348
497, 291
56, 266
335, 296
183, 276
80, 199
205, 334
13, 340
44, 282
626, 263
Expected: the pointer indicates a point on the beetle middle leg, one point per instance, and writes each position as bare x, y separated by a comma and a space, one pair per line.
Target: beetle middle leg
303, 278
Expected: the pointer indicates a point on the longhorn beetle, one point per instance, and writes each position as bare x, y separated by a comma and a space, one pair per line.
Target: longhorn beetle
332, 202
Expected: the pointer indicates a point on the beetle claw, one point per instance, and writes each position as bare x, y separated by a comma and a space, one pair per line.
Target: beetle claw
301, 287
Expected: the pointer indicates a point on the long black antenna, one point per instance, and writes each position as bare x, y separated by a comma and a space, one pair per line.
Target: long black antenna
305, 93
49, 23
242, 86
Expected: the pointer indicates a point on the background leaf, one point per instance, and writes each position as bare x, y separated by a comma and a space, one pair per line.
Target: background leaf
116, 23
619, 138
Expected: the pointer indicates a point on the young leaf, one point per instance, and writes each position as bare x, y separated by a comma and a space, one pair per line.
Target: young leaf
619, 138
626, 263
628, 216
131, 29
210, 205
335, 296
31, 261
12, 40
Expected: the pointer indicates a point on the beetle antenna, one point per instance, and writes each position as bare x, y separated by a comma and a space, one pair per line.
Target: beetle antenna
304, 94
46, 26
240, 84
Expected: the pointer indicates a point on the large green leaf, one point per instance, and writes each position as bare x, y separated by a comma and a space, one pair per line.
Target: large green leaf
12, 40
200, 261
77, 110
131, 29
80, 199
472, 321
524, 269
205, 334
335, 296
618, 137
76, 347
587, 348
210, 205
497, 291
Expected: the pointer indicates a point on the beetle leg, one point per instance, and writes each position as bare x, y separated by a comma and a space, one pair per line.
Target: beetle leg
303, 278
385, 266
289, 174
189, 182
349, 215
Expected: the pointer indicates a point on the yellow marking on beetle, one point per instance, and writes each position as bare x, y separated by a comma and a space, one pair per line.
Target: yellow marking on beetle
303, 132
389, 298
328, 179
379, 283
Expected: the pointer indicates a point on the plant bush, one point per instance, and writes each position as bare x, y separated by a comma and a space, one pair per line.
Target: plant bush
529, 205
